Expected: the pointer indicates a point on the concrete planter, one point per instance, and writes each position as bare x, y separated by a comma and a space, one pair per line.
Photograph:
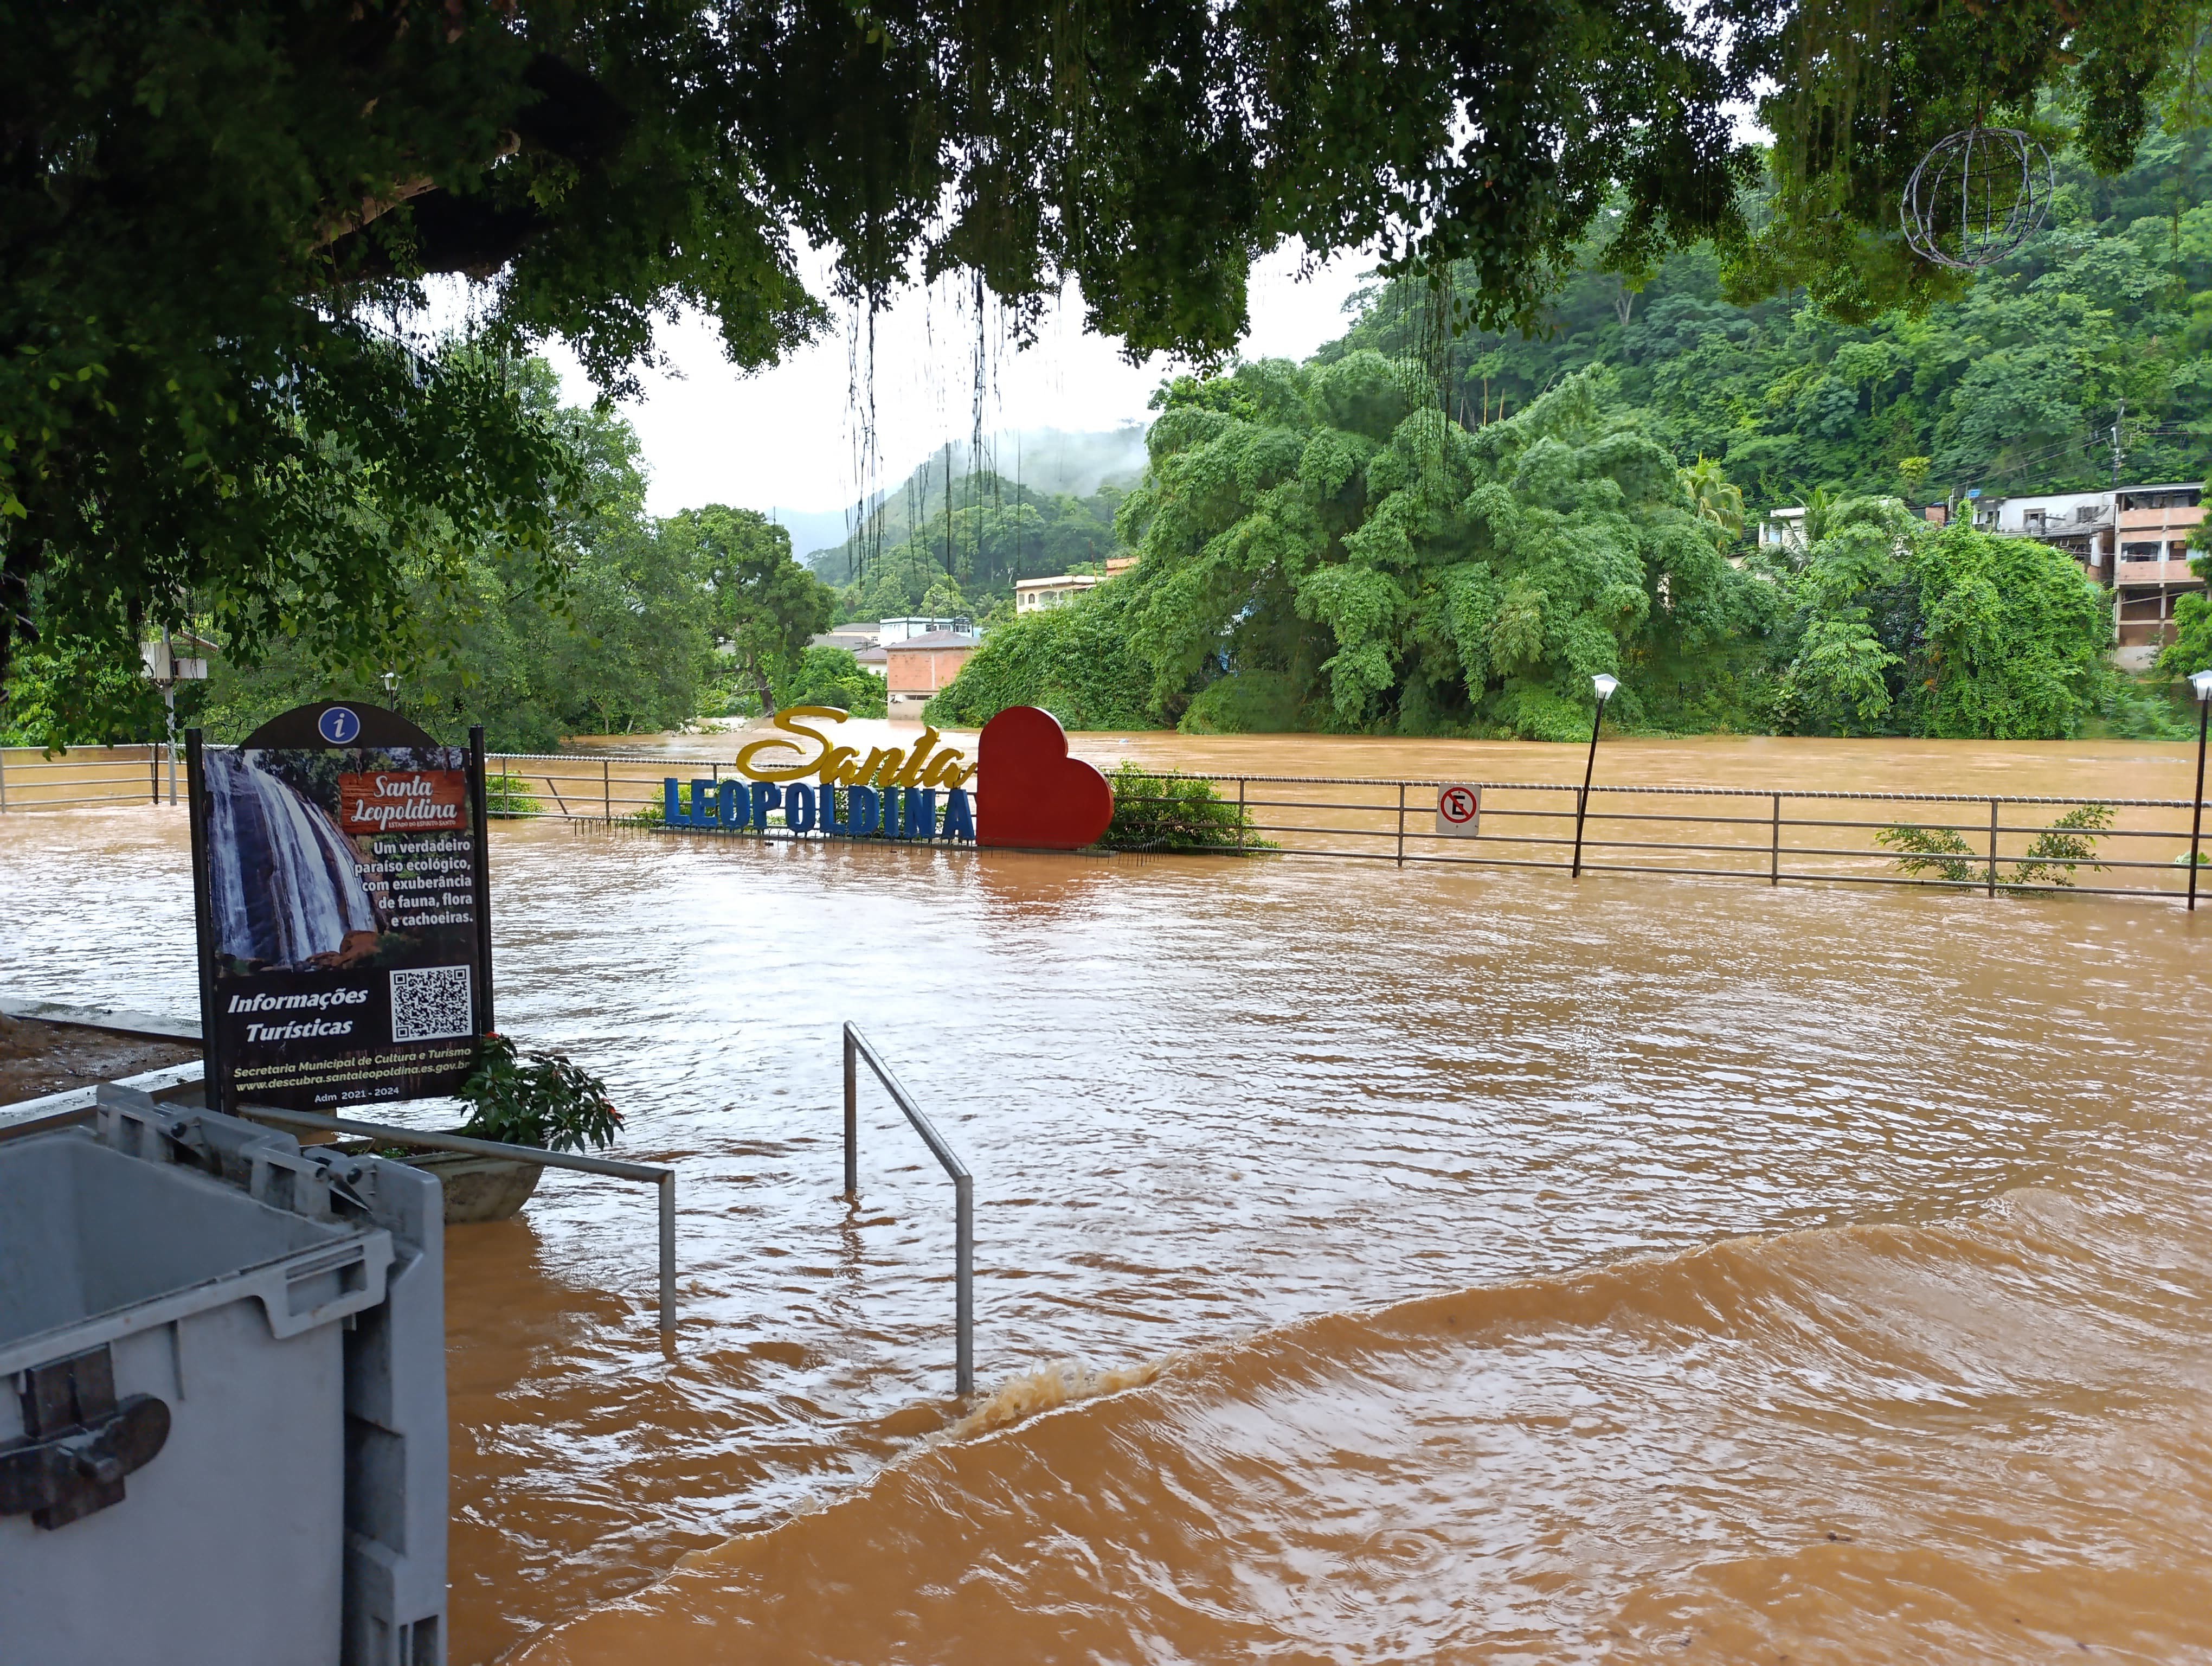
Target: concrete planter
479, 1188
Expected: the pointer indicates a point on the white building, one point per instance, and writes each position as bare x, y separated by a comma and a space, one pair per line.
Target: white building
898, 630
1031, 594
1783, 529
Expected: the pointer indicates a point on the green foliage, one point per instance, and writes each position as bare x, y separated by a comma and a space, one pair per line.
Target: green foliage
654, 812
2010, 385
1072, 661
927, 558
74, 690
1899, 627
1854, 110
1319, 529
652, 616
764, 605
547, 1102
1248, 703
1938, 850
312, 500
627, 645
2191, 650
832, 677
510, 795
2071, 841
2053, 855
206, 207
1175, 812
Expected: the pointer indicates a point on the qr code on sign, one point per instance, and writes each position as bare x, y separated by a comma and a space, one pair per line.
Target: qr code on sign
432, 1003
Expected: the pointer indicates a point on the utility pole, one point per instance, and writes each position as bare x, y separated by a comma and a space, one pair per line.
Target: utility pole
169, 701
2118, 417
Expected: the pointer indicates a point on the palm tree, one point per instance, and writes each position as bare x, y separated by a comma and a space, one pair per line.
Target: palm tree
1712, 496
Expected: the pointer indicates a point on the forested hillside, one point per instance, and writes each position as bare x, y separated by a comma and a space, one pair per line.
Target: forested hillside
965, 558
2013, 388
954, 537
1424, 534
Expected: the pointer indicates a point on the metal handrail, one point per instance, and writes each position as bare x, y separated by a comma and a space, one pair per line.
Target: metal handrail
650, 1173
77, 1105
858, 1047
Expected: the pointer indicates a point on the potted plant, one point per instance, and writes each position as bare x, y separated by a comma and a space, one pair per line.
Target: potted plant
545, 1101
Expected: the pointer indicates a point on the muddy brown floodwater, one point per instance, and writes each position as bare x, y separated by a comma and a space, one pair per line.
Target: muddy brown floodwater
1372, 1265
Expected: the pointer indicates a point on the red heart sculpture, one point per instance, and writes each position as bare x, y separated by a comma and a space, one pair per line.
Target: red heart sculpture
1029, 794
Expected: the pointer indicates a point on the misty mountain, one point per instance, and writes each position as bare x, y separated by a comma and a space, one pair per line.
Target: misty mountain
1051, 461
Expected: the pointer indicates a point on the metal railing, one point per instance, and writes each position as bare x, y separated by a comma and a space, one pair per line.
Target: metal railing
858, 1047
77, 1105
1797, 835
653, 1174
29, 780
1761, 834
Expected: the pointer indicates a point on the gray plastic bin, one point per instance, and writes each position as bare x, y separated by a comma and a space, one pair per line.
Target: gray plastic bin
222, 1437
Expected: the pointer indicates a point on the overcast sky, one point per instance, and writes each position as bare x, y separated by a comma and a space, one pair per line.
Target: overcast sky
787, 438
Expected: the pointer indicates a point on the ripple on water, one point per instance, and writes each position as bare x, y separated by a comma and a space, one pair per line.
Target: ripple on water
1202, 1100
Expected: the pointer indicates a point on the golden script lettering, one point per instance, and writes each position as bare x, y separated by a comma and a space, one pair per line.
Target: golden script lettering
884, 766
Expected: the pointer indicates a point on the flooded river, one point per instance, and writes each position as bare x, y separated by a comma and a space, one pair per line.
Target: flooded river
1372, 1265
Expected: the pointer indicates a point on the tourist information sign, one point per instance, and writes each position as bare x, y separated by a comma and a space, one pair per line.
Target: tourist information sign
339, 867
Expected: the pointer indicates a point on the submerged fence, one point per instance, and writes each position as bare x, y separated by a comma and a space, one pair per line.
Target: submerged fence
2120, 846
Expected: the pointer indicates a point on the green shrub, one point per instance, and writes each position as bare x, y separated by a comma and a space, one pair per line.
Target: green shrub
548, 1102
1072, 661
509, 795
1938, 850
2067, 844
1246, 702
654, 810
1175, 812
833, 676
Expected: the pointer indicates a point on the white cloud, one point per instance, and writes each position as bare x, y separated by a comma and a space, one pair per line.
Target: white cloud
788, 438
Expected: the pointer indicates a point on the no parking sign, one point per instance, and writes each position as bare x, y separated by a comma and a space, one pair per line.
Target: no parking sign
1459, 812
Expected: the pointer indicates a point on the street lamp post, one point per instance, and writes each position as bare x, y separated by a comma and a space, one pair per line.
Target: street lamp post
391, 683
1604, 685
2201, 682
166, 670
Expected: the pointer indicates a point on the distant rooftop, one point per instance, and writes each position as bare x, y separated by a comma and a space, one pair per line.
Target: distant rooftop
929, 639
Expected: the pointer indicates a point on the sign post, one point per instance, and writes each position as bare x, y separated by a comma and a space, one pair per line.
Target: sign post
339, 881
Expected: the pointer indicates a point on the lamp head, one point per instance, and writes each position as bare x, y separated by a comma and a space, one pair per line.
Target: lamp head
1604, 685
2201, 682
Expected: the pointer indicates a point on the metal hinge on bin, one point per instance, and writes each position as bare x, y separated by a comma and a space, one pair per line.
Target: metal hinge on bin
79, 1441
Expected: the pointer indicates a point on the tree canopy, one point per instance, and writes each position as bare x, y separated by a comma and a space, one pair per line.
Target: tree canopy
656, 623
209, 214
1321, 548
1326, 526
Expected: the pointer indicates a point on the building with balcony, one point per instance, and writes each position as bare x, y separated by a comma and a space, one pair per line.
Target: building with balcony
2133, 539
1032, 594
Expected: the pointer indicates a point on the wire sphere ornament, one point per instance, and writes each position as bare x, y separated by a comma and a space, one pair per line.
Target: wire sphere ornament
1977, 197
